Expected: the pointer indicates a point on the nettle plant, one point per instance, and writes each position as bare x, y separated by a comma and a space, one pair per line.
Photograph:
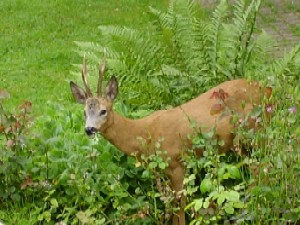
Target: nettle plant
274, 168
15, 154
221, 190
83, 180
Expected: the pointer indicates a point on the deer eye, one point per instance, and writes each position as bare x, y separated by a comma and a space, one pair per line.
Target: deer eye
102, 112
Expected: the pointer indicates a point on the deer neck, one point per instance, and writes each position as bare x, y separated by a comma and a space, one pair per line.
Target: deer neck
124, 133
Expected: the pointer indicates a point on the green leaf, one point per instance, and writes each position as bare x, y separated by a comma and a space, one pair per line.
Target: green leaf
54, 203
146, 174
233, 196
234, 172
198, 204
206, 205
238, 205
47, 216
206, 185
291, 120
226, 176
221, 199
85, 217
152, 165
191, 177
229, 210
40, 217
221, 172
209, 134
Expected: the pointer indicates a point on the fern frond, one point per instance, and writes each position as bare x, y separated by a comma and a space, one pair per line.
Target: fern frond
162, 19
250, 15
285, 66
139, 49
97, 49
179, 53
175, 27
239, 35
212, 39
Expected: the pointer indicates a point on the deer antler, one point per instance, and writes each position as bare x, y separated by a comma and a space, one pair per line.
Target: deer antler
84, 78
102, 68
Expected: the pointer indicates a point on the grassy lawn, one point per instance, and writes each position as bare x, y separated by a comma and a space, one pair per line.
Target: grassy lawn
37, 42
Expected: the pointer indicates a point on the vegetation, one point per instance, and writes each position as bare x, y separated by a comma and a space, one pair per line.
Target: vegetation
51, 172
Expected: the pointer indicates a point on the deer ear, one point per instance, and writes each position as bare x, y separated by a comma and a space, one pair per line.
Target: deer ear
112, 88
78, 93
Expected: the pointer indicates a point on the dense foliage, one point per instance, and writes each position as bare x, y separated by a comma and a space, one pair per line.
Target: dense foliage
65, 176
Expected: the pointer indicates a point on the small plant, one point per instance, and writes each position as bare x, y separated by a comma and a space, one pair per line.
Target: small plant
161, 196
274, 166
214, 182
15, 154
13, 126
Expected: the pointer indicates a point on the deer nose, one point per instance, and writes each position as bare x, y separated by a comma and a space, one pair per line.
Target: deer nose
90, 130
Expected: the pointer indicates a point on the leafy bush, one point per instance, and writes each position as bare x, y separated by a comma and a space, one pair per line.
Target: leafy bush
14, 155
89, 181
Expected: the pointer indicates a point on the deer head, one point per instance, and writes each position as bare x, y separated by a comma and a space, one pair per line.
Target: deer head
98, 109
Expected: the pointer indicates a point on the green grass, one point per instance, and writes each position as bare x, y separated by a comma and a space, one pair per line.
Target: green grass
296, 29
22, 216
37, 42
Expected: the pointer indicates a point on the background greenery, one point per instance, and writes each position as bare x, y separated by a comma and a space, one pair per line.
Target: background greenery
167, 53
37, 42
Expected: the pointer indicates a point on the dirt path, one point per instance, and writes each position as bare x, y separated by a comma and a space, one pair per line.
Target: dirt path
279, 18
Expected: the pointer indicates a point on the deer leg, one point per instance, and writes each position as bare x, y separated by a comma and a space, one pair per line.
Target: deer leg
176, 176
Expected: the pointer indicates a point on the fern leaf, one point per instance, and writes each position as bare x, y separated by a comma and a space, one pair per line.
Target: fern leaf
214, 31
282, 67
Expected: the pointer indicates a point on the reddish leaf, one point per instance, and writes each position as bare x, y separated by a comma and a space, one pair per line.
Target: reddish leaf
213, 95
221, 94
26, 183
2, 128
26, 105
10, 143
17, 125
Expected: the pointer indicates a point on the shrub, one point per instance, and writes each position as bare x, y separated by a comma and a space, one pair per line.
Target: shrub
15, 156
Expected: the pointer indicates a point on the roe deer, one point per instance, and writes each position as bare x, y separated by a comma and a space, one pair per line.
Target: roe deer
171, 126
